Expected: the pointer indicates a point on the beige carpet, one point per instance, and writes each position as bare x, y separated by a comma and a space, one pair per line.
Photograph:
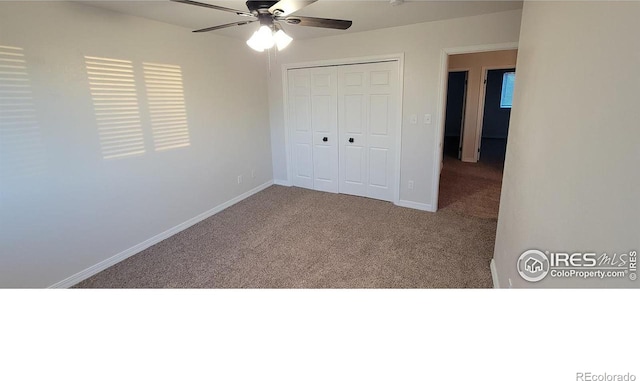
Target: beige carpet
472, 189
296, 238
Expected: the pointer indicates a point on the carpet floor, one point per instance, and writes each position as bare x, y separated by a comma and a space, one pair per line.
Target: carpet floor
297, 238
472, 189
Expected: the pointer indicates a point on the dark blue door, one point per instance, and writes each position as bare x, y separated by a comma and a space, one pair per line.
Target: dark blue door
497, 111
454, 117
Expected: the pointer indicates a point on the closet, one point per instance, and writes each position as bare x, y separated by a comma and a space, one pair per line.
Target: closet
343, 128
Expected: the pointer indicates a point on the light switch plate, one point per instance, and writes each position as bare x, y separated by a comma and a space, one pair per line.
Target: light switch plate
413, 119
427, 118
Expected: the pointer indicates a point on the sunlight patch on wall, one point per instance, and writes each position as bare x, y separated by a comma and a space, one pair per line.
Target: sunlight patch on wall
165, 96
115, 103
21, 147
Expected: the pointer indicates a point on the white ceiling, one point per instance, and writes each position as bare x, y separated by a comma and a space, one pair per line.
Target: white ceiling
366, 15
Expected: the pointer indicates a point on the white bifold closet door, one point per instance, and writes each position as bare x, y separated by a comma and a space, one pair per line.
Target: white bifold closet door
368, 101
313, 116
342, 123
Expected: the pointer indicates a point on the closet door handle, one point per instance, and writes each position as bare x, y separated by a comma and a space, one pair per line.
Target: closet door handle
350, 140
325, 139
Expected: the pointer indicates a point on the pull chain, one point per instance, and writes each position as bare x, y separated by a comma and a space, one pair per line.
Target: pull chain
269, 59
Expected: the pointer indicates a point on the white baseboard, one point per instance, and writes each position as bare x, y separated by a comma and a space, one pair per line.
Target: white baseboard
284, 183
90, 271
494, 273
415, 205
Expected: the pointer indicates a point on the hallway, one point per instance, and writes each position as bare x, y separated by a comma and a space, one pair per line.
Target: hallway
471, 189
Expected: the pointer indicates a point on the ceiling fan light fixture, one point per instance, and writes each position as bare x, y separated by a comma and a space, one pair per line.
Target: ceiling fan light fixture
261, 39
282, 39
265, 38
254, 43
270, 14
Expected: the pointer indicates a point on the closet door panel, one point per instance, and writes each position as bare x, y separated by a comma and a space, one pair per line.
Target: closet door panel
343, 125
352, 125
324, 123
383, 104
300, 116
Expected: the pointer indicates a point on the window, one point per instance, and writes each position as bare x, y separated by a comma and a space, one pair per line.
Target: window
508, 79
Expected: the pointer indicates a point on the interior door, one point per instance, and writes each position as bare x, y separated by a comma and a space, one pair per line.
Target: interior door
492, 147
368, 98
299, 81
455, 112
324, 124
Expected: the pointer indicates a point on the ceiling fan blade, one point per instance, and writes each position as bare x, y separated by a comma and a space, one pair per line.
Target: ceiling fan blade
191, 2
287, 7
316, 22
224, 26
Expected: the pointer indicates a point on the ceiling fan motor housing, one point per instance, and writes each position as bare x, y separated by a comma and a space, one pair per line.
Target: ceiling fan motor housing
260, 7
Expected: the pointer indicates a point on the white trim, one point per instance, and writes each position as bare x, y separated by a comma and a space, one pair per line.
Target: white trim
457, 69
439, 140
481, 48
494, 273
343, 61
444, 72
284, 183
414, 205
396, 194
481, 99
285, 104
399, 57
90, 271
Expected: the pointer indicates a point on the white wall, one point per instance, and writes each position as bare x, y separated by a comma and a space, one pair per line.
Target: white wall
422, 45
63, 207
572, 171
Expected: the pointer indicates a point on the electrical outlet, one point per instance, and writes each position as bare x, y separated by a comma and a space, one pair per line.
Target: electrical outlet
240, 179
410, 184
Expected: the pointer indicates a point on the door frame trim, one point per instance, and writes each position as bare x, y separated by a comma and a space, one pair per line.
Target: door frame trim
481, 98
399, 57
442, 99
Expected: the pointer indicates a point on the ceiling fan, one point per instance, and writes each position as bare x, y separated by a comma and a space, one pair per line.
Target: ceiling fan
271, 14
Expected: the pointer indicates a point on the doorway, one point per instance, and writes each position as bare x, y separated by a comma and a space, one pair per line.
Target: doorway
472, 156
